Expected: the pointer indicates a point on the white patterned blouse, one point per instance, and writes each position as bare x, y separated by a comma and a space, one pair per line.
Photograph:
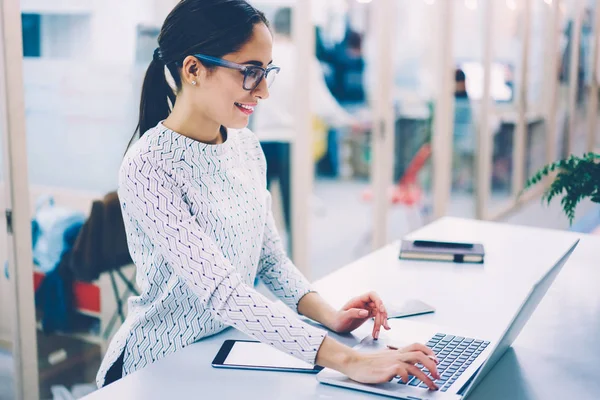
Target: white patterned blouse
200, 230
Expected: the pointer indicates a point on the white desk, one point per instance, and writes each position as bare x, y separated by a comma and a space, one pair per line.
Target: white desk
555, 357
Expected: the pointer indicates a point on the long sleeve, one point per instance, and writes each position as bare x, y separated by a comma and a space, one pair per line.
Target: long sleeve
276, 270
154, 202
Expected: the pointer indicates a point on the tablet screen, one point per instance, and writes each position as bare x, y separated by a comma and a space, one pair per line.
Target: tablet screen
256, 354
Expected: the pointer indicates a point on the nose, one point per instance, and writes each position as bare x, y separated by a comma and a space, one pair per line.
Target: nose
262, 90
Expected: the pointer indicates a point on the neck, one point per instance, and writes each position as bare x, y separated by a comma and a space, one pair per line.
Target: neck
193, 124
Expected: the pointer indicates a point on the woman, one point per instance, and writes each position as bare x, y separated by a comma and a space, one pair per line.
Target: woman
197, 212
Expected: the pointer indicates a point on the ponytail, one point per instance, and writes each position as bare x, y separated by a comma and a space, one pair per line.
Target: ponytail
156, 95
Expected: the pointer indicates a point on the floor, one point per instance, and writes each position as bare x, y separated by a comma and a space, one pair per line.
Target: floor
340, 225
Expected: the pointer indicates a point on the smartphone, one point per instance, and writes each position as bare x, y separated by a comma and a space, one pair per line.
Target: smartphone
249, 354
408, 308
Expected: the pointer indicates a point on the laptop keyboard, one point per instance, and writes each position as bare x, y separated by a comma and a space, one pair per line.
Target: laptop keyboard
455, 354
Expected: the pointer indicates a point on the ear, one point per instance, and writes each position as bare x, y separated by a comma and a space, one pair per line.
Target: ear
192, 70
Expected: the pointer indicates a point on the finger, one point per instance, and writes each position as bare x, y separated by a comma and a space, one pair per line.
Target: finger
417, 373
426, 362
386, 323
379, 320
375, 324
384, 317
371, 297
403, 373
391, 373
377, 303
357, 313
419, 347
374, 298
365, 297
353, 303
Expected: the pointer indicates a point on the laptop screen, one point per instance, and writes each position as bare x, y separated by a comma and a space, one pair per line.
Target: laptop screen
519, 320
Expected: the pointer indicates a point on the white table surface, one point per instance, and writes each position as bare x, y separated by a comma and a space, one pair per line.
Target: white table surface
555, 357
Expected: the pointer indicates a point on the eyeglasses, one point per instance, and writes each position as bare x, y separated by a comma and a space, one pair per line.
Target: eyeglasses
253, 74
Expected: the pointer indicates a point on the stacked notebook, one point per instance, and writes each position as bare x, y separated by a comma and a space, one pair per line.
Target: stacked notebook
442, 251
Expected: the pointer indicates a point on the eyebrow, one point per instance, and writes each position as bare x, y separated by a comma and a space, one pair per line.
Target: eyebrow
256, 62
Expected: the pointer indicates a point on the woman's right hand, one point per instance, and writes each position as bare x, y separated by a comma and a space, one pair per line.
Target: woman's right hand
383, 366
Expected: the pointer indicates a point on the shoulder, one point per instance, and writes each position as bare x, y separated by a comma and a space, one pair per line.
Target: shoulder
146, 156
246, 137
249, 144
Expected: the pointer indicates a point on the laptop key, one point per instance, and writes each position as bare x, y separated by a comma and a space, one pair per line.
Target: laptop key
414, 382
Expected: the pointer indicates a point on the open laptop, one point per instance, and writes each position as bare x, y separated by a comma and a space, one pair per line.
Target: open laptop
464, 361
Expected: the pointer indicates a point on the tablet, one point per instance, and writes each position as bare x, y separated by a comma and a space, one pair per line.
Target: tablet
248, 354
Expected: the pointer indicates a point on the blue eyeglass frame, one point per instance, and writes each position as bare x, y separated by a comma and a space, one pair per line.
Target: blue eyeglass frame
244, 69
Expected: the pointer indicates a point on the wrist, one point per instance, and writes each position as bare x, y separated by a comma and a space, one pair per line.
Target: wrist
329, 319
335, 355
314, 307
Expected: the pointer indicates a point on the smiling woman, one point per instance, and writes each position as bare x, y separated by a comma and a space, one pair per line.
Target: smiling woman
198, 215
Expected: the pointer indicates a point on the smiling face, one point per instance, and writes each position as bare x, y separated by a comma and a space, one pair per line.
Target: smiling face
219, 94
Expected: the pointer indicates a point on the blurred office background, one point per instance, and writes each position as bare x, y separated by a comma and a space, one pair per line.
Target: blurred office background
395, 127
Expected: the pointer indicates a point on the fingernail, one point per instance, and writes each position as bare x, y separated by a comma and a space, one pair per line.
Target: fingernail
363, 313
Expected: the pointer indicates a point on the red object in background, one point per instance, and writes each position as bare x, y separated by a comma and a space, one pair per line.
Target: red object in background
407, 191
85, 295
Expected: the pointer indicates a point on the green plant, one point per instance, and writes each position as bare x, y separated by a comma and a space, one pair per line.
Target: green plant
577, 177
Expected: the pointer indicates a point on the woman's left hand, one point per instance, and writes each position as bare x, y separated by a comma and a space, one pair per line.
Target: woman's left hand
357, 311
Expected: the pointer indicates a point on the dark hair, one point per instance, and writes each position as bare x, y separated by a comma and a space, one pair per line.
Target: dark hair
459, 75
210, 27
282, 21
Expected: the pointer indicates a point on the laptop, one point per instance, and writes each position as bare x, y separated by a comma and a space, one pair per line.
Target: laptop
463, 361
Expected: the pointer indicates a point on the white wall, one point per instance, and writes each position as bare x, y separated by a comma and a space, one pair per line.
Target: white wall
104, 30
80, 116
113, 30
57, 6
65, 35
